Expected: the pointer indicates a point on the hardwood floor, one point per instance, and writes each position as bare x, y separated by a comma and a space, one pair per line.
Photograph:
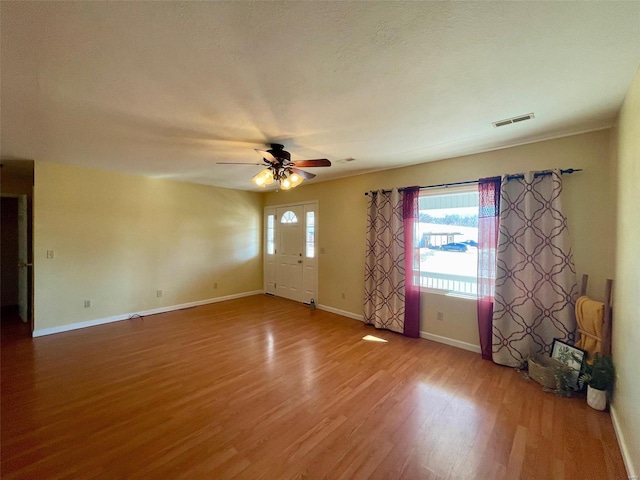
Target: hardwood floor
264, 388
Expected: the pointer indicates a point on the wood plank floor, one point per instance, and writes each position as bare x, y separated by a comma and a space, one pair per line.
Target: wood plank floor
264, 388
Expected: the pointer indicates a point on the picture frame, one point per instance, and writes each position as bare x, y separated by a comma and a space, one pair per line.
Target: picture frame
572, 357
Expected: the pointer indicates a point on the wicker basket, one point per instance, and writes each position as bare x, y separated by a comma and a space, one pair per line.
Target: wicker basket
542, 368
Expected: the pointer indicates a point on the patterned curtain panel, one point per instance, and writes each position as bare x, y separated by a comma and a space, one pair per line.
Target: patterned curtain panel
384, 282
535, 290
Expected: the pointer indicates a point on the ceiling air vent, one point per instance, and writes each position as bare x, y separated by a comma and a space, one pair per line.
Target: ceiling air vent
509, 121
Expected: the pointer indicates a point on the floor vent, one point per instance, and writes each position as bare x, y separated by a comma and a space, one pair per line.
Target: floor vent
509, 121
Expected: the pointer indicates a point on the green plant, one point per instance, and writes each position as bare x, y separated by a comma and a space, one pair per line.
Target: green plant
600, 374
563, 381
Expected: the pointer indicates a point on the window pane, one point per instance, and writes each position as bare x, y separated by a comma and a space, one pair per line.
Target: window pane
448, 241
310, 235
271, 234
289, 217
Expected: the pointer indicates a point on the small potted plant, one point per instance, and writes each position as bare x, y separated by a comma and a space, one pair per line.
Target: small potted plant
599, 378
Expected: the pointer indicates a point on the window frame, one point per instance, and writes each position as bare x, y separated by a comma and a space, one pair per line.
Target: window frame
443, 191
306, 234
270, 232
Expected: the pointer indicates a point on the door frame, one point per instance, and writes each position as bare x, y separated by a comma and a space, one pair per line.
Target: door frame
24, 263
271, 209
28, 199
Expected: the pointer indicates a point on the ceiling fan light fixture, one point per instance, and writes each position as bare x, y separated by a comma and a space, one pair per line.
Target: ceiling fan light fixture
285, 184
289, 182
282, 170
295, 180
264, 178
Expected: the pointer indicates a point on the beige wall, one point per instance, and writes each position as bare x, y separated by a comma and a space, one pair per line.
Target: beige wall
342, 208
118, 238
626, 316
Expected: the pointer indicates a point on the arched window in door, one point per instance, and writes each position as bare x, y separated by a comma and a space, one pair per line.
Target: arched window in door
288, 217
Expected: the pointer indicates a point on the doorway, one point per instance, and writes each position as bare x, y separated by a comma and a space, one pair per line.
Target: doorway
290, 251
16, 245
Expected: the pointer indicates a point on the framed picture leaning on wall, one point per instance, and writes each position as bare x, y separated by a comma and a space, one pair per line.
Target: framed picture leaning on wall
572, 357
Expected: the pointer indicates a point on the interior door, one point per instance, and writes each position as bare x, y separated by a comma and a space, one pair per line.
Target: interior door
23, 260
289, 252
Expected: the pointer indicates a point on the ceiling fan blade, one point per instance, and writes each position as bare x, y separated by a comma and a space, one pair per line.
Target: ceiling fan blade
302, 173
321, 162
267, 156
239, 163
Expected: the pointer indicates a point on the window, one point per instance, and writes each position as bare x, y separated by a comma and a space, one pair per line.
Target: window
448, 240
289, 217
310, 235
271, 246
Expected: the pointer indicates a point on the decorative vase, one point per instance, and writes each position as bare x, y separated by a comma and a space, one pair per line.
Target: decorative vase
596, 398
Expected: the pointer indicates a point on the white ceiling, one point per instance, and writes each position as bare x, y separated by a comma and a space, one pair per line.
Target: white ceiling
170, 88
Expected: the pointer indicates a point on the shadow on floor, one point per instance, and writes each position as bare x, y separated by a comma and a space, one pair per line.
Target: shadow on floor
11, 327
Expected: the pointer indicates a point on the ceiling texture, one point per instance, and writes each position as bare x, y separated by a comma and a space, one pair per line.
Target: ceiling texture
167, 89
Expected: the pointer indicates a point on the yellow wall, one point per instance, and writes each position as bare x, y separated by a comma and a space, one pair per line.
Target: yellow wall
626, 305
588, 204
118, 238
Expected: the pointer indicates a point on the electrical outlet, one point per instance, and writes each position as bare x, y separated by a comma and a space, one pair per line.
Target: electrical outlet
49, 253
87, 303
215, 286
441, 316
158, 293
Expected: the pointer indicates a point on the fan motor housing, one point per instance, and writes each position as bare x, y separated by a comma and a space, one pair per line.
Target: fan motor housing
279, 152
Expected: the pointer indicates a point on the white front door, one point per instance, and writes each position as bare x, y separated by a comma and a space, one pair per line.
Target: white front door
289, 252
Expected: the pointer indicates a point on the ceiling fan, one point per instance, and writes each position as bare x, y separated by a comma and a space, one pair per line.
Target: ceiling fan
280, 168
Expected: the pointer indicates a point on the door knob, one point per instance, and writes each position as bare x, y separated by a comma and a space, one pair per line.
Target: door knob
299, 261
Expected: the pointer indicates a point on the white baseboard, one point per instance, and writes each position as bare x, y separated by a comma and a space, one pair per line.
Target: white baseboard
344, 313
126, 316
626, 457
429, 336
451, 341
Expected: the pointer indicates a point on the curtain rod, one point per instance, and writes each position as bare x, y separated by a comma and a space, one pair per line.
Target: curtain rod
471, 182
